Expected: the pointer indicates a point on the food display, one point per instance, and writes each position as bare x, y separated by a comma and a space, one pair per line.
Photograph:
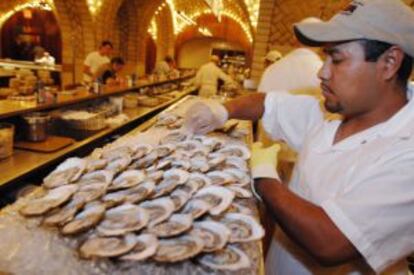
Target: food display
6, 140
178, 199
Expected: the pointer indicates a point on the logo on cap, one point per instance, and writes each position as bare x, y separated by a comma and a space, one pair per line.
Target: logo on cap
350, 9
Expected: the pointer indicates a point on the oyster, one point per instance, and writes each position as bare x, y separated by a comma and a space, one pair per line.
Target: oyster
174, 137
196, 208
68, 171
127, 179
172, 178
240, 151
242, 178
218, 197
53, 198
63, 215
119, 164
239, 208
236, 163
199, 163
162, 164
200, 179
95, 164
184, 164
107, 247
214, 234
241, 193
123, 219
229, 258
145, 247
141, 150
178, 249
93, 186
159, 210
179, 197
155, 176
188, 145
140, 192
190, 187
116, 153
90, 216
244, 228
216, 159
220, 178
146, 161
175, 225
165, 150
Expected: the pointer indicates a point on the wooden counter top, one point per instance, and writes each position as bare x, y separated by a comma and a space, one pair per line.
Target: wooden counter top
9, 108
22, 162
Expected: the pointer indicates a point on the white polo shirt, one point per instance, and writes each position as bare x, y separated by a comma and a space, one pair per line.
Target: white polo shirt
365, 184
94, 61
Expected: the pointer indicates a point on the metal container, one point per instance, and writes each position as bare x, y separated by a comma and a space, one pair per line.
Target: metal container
37, 126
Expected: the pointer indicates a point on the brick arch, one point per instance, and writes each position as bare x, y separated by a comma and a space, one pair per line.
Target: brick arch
165, 36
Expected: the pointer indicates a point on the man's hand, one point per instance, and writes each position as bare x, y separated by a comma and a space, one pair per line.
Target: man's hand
205, 116
263, 163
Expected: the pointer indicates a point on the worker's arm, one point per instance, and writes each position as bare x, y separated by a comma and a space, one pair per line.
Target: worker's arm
305, 223
249, 107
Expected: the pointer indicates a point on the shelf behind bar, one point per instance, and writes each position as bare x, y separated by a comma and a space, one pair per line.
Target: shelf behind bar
23, 163
10, 108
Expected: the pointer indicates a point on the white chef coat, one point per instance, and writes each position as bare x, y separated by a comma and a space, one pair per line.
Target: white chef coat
162, 68
207, 77
296, 71
94, 61
365, 184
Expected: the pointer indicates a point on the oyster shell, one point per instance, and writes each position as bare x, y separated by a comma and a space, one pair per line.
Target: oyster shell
91, 215
241, 193
163, 164
242, 178
175, 225
188, 145
199, 163
220, 178
145, 247
200, 179
146, 161
116, 153
178, 249
53, 198
196, 208
190, 187
95, 164
127, 179
174, 137
93, 186
63, 215
216, 159
159, 210
107, 247
218, 197
119, 164
244, 228
184, 164
214, 234
180, 198
240, 151
123, 219
68, 171
165, 150
229, 258
172, 178
236, 163
155, 176
140, 192
239, 208
141, 150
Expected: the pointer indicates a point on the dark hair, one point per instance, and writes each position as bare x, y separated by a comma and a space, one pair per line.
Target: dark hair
168, 59
106, 43
373, 49
117, 60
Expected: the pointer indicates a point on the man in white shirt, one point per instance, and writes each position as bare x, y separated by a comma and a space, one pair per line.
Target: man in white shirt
349, 206
206, 79
95, 60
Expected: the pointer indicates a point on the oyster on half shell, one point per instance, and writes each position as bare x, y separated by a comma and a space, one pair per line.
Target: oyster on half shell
221, 178
104, 247
68, 171
214, 234
175, 225
229, 258
53, 198
244, 228
145, 247
172, 178
123, 219
159, 210
64, 214
93, 186
240, 151
218, 197
178, 249
180, 198
196, 208
119, 164
90, 216
127, 179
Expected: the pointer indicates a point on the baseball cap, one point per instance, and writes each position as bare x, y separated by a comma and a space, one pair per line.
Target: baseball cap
273, 56
390, 21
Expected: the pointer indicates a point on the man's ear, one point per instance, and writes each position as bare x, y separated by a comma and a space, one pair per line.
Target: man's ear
392, 60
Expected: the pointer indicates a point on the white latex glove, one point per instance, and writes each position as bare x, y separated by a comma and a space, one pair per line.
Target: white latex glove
263, 163
205, 116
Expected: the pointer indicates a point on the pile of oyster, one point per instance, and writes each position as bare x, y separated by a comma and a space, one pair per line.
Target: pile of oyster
165, 203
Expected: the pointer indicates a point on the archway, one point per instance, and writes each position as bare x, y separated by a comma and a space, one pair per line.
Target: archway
30, 28
150, 54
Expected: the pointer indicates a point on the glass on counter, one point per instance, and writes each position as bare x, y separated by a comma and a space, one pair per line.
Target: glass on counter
6, 140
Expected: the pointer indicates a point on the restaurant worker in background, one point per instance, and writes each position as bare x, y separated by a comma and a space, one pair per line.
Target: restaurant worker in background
349, 206
95, 60
110, 73
206, 79
165, 67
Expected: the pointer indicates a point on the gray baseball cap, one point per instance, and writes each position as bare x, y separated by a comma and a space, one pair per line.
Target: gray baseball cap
389, 21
